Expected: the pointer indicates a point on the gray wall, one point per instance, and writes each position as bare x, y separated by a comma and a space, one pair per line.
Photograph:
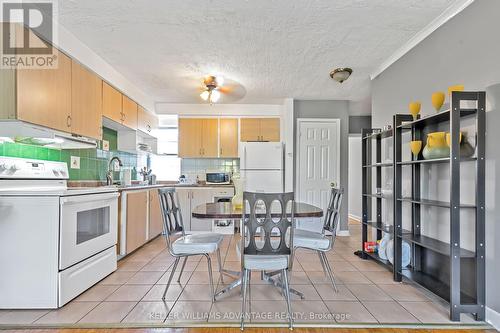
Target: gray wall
466, 50
333, 110
357, 123
355, 176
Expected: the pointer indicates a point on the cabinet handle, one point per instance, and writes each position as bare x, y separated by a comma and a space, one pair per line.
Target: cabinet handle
221, 151
68, 121
200, 152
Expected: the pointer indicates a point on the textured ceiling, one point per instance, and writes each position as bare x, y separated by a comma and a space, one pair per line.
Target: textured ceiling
274, 49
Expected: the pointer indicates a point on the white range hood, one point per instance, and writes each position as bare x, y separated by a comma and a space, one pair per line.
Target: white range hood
28, 133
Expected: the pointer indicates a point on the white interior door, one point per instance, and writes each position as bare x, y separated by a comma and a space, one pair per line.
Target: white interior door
318, 159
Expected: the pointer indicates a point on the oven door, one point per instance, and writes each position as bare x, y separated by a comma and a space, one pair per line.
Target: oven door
88, 225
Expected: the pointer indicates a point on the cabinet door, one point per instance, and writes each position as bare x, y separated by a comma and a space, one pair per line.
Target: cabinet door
184, 195
250, 129
86, 102
270, 129
129, 112
228, 137
155, 219
111, 103
44, 95
137, 217
146, 121
190, 137
210, 137
201, 196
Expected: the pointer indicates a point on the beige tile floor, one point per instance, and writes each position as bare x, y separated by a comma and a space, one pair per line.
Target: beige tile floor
366, 293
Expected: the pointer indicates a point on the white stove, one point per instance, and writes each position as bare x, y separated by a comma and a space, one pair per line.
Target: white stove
55, 241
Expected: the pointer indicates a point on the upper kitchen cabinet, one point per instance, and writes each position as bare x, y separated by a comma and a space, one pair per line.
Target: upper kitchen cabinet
86, 102
190, 137
209, 140
228, 137
44, 96
260, 129
129, 112
111, 103
198, 137
146, 121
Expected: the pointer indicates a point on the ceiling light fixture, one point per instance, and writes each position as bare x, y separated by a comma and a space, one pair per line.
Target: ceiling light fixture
341, 74
212, 84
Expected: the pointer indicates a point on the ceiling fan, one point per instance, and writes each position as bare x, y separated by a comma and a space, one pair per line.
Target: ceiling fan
214, 87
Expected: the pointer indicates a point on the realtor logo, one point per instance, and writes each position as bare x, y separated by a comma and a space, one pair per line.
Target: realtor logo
28, 34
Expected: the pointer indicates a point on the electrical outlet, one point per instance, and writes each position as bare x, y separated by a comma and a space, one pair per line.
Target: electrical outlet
105, 145
75, 162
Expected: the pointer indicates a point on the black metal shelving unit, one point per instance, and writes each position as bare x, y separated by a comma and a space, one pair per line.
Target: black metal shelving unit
454, 273
368, 136
448, 270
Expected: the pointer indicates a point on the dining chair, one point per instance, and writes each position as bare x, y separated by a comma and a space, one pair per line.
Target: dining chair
186, 245
266, 240
319, 241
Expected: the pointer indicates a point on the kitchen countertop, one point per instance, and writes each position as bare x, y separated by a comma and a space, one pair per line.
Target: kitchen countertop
139, 186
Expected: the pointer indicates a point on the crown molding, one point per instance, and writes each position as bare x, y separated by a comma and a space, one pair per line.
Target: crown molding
444, 17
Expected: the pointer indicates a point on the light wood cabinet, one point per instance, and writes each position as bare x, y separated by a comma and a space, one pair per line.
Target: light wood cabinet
137, 219
260, 129
129, 112
155, 219
44, 96
228, 137
111, 103
86, 102
199, 137
209, 139
270, 129
190, 136
146, 121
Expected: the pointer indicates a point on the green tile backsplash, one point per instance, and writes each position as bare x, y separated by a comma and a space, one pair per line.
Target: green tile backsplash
93, 162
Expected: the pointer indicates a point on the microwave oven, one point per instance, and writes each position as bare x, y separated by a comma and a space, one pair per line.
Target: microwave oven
218, 178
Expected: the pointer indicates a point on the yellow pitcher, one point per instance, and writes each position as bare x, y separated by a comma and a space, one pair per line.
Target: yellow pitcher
436, 146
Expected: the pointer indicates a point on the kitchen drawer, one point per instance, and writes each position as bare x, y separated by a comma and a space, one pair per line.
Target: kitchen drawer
78, 278
225, 191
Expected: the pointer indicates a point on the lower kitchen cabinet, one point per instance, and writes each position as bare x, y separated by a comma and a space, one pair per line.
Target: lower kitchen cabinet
137, 213
201, 196
155, 219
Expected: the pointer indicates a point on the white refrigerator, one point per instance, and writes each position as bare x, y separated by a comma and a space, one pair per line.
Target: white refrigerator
262, 166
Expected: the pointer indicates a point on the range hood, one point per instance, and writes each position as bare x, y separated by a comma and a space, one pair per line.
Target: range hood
23, 132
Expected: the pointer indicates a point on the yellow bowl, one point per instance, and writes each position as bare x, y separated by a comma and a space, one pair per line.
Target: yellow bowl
414, 108
415, 147
457, 87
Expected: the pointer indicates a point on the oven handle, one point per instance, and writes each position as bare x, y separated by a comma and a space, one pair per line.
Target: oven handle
89, 198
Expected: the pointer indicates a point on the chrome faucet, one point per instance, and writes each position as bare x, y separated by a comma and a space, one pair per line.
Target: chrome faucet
109, 175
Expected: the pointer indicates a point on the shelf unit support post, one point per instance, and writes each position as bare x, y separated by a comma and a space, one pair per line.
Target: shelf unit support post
455, 208
397, 206
379, 183
416, 134
365, 180
480, 204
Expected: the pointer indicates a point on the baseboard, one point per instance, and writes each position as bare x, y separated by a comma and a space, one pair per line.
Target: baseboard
493, 318
343, 233
354, 217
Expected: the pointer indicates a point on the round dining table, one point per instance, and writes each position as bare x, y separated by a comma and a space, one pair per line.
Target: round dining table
227, 211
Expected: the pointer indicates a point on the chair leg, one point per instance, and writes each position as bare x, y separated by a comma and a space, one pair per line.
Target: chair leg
329, 270
209, 262
170, 277
244, 301
291, 258
322, 262
182, 269
219, 260
287, 293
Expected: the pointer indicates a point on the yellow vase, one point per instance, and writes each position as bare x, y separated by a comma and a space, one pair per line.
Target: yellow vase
438, 100
457, 87
414, 108
415, 147
436, 146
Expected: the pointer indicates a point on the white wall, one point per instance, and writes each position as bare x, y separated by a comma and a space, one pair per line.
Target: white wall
465, 50
354, 179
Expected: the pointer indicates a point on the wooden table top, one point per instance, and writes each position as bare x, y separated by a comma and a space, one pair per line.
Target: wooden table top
225, 210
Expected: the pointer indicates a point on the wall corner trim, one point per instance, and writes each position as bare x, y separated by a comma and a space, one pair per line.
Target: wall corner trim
493, 318
450, 12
